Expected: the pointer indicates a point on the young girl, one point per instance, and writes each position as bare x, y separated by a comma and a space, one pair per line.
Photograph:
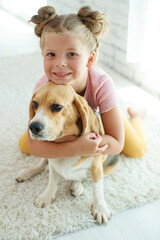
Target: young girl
69, 45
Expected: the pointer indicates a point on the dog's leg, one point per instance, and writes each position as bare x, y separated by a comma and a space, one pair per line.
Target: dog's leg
26, 174
76, 188
100, 210
49, 194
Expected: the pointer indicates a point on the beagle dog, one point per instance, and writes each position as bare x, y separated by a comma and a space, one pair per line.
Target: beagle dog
57, 111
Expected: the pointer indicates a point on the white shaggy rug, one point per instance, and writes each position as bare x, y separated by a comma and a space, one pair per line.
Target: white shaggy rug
134, 182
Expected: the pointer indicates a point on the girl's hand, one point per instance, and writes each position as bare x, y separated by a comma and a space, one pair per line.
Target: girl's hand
89, 145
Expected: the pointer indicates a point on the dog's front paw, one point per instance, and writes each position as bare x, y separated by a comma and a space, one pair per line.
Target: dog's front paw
43, 199
23, 175
101, 212
76, 188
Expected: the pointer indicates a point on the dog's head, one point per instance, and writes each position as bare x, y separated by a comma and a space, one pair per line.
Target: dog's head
56, 111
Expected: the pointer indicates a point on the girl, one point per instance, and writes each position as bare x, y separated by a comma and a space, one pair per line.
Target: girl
69, 45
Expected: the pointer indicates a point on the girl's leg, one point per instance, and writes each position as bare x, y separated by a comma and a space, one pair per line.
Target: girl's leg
135, 140
23, 144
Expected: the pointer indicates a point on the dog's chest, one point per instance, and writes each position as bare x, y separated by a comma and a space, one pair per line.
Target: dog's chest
65, 167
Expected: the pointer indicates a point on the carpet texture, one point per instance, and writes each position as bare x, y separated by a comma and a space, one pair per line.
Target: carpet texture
134, 182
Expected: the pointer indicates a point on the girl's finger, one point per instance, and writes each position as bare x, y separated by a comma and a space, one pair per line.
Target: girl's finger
98, 135
98, 141
92, 136
100, 150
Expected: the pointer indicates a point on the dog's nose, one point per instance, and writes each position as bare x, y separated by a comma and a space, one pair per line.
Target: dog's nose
35, 127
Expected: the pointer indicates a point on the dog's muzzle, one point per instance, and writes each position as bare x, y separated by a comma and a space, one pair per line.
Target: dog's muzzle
36, 127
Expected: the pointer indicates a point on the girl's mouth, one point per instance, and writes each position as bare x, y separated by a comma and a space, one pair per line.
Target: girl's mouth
61, 74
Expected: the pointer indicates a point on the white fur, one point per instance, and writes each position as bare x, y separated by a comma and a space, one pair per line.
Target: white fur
64, 166
99, 208
41, 118
26, 174
76, 188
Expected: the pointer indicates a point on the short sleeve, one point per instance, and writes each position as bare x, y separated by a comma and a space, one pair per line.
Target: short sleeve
106, 95
101, 92
40, 82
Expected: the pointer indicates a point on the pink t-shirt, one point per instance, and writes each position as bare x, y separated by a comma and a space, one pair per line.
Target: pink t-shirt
100, 92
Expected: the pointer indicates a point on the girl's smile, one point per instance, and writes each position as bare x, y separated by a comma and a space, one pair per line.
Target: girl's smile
61, 74
66, 60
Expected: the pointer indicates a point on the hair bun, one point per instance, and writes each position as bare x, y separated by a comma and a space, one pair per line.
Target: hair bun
45, 14
94, 20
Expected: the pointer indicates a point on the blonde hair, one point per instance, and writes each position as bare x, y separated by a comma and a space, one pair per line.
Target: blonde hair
88, 24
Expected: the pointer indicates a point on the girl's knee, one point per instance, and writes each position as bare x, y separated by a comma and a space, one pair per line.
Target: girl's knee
135, 151
23, 144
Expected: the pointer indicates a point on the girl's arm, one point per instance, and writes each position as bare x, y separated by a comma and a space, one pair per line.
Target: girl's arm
86, 145
114, 131
69, 146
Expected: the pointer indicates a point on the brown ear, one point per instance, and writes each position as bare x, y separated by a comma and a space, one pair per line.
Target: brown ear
31, 110
82, 108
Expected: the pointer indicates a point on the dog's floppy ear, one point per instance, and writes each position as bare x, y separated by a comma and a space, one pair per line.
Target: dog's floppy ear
82, 108
31, 110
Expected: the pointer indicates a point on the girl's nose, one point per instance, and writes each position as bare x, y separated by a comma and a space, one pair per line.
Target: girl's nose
61, 62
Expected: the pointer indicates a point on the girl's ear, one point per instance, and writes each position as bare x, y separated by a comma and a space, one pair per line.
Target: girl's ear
91, 59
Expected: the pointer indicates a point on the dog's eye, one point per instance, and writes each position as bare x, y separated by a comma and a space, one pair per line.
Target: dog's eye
56, 108
35, 105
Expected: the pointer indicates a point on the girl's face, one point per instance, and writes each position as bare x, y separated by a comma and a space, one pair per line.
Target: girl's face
66, 60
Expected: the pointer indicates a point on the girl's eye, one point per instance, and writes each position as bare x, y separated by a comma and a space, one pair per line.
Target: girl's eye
50, 54
72, 54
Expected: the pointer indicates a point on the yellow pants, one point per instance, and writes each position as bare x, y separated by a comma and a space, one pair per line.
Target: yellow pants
134, 145
135, 137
